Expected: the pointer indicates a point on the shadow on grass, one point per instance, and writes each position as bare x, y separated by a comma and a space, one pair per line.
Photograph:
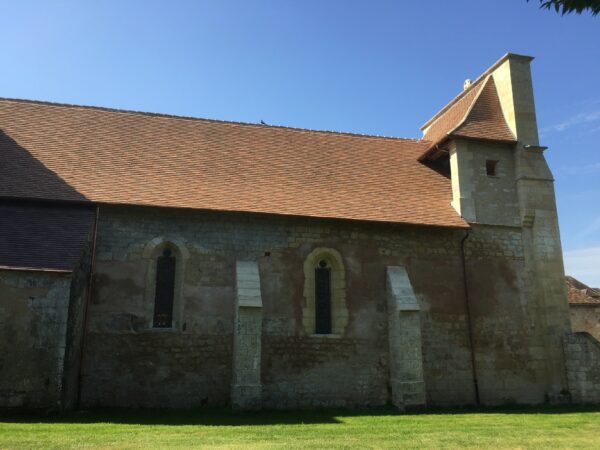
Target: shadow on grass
224, 417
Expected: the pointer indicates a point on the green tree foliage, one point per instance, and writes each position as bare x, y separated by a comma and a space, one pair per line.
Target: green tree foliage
569, 6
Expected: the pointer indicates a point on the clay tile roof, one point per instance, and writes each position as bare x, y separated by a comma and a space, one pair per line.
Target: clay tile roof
43, 236
485, 119
450, 119
98, 155
476, 115
580, 294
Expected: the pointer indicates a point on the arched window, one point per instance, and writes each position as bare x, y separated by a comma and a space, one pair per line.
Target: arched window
323, 298
324, 311
164, 292
166, 262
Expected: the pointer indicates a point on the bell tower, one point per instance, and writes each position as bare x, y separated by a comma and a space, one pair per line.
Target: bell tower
487, 141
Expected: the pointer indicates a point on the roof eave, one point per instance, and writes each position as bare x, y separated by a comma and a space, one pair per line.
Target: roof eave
431, 150
37, 269
484, 139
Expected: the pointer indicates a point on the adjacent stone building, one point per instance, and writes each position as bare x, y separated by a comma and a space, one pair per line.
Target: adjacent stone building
161, 261
584, 305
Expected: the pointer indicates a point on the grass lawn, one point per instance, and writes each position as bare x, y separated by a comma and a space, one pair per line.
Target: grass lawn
541, 427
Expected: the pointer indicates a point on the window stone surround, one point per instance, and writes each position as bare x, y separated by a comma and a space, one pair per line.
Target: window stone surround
339, 311
151, 252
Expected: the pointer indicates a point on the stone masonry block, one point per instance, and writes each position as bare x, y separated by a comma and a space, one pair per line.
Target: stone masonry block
401, 290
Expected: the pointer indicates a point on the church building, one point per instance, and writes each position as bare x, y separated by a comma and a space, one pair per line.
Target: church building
149, 260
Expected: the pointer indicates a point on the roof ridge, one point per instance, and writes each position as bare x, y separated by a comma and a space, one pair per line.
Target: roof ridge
181, 117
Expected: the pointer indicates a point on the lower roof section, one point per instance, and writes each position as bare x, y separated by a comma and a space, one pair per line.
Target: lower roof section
43, 236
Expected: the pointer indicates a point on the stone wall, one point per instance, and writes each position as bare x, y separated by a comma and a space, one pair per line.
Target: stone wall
582, 353
586, 317
544, 270
482, 198
514, 269
129, 363
33, 327
507, 335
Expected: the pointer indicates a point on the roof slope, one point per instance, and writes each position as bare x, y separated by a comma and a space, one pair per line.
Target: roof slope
43, 237
485, 119
476, 115
450, 119
581, 294
66, 152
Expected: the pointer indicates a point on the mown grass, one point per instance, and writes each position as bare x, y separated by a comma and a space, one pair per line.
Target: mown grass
560, 427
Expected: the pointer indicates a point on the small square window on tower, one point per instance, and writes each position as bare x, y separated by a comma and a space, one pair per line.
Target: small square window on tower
491, 167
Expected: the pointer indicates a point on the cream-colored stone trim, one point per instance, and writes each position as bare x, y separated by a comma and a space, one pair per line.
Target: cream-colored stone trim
150, 248
151, 252
247, 280
339, 311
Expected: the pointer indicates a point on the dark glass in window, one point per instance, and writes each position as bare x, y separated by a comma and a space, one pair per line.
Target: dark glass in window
165, 290
322, 299
491, 167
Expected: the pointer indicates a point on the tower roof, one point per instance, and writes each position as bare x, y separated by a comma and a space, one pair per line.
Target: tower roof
476, 115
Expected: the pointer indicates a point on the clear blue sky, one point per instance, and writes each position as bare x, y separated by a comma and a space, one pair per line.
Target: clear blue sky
377, 67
